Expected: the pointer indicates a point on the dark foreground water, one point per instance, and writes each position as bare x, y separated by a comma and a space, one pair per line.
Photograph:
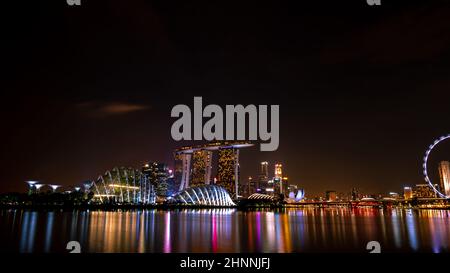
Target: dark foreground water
226, 230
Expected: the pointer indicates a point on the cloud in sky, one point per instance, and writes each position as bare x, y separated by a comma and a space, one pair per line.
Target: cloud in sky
108, 109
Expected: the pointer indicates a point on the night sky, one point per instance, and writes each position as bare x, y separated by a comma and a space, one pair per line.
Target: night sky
362, 90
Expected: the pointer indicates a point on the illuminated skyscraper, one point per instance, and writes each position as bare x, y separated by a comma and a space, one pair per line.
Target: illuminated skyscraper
157, 174
263, 178
228, 170
444, 175
252, 186
285, 185
278, 180
201, 168
278, 171
265, 168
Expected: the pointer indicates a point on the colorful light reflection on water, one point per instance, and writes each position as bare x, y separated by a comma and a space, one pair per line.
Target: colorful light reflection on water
226, 230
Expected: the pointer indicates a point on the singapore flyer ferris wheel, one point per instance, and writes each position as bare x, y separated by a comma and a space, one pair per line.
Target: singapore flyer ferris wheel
425, 164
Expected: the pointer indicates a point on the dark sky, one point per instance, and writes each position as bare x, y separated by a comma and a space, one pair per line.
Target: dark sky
362, 90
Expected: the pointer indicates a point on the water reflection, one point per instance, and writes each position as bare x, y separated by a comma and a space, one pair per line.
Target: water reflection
226, 230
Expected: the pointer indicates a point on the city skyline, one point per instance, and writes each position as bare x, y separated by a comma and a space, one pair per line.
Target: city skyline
354, 110
189, 171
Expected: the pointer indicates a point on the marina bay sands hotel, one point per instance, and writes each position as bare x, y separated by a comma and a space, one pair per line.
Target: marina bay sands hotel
193, 165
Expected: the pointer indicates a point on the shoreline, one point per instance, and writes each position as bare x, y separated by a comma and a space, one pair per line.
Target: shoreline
193, 207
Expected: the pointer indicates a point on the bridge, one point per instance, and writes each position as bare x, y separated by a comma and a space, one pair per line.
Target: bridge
376, 203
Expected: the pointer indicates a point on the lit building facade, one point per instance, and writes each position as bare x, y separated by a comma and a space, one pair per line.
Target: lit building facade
407, 193
158, 175
252, 186
424, 191
278, 171
263, 179
193, 166
285, 185
228, 170
278, 185
444, 175
201, 168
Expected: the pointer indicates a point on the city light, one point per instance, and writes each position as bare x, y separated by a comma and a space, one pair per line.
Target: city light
123, 186
103, 195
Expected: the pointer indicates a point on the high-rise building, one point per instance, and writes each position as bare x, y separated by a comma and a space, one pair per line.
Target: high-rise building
285, 185
245, 188
228, 170
157, 174
264, 169
263, 178
278, 171
251, 185
201, 168
444, 175
276, 185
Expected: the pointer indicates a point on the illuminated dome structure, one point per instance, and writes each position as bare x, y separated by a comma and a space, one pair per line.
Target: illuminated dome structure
123, 185
204, 195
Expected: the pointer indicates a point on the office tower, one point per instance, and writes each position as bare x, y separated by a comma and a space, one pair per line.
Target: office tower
285, 185
157, 174
263, 178
278, 171
277, 185
444, 175
251, 186
264, 169
276, 181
